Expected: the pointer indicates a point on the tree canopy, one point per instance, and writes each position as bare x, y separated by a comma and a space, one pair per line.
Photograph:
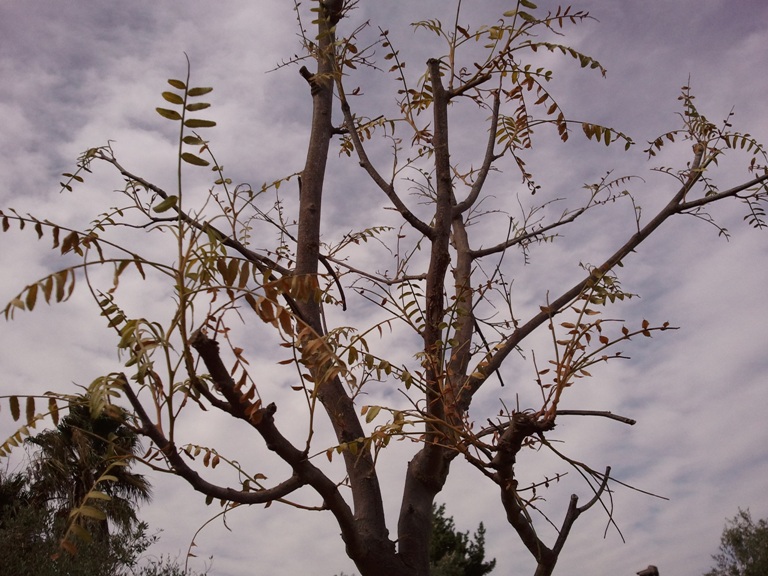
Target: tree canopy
743, 547
85, 464
77, 483
452, 553
399, 329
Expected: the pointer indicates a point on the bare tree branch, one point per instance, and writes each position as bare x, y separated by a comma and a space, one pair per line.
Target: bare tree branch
180, 466
494, 361
684, 206
366, 164
488, 159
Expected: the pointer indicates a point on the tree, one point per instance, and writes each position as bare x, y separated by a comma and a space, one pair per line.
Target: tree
84, 466
442, 284
743, 547
30, 533
451, 553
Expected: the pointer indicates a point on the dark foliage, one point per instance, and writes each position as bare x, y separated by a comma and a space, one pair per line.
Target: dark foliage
452, 553
743, 548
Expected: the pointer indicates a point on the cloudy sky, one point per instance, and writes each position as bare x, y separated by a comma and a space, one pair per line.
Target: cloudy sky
77, 74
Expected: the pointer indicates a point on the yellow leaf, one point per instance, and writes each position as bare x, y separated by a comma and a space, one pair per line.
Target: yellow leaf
80, 532
53, 408
97, 495
372, 413
92, 512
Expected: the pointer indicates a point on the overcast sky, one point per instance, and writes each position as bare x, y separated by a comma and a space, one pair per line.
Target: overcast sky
76, 74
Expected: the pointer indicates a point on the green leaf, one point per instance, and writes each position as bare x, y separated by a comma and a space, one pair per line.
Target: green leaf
198, 106
199, 91
193, 140
166, 204
172, 98
170, 114
528, 4
196, 123
192, 159
527, 17
177, 84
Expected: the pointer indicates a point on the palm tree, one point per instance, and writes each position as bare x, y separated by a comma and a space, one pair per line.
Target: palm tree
29, 541
71, 458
